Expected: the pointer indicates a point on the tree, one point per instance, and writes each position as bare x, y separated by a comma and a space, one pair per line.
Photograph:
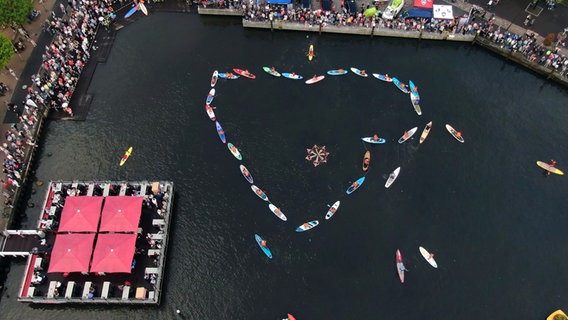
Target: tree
6, 51
14, 12
548, 39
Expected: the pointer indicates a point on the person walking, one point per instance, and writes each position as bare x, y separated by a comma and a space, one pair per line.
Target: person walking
13, 73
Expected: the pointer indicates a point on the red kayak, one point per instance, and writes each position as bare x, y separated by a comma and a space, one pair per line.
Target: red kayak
244, 73
400, 266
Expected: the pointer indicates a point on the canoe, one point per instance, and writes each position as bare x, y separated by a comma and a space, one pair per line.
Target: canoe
210, 112
392, 176
426, 131
382, 77
214, 78
415, 100
277, 212
228, 75
428, 256
246, 173
307, 226
549, 168
400, 85
337, 72
372, 140
358, 72
332, 210
407, 135
131, 11
556, 315
259, 192
210, 96
413, 89
315, 79
355, 185
400, 266
244, 73
456, 134
143, 8
271, 71
292, 75
234, 151
220, 132
366, 160
264, 248
126, 156
311, 54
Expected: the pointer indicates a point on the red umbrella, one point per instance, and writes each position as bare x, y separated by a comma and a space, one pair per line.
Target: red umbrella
114, 252
80, 214
121, 214
71, 252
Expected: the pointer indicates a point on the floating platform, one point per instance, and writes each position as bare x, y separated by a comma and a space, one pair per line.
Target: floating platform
124, 227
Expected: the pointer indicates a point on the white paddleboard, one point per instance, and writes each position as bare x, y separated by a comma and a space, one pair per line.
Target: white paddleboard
332, 210
429, 257
392, 176
277, 212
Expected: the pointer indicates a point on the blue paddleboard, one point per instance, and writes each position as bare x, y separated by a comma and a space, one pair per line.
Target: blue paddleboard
355, 185
264, 248
292, 76
131, 12
220, 132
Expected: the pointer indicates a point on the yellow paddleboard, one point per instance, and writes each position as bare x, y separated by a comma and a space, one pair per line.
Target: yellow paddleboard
555, 313
548, 168
311, 52
126, 156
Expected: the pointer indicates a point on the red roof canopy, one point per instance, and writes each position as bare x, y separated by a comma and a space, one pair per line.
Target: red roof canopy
114, 252
121, 214
426, 4
71, 252
80, 214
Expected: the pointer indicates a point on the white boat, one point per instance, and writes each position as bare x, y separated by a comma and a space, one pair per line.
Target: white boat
392, 176
393, 9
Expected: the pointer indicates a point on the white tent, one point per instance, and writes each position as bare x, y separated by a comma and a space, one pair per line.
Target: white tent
442, 12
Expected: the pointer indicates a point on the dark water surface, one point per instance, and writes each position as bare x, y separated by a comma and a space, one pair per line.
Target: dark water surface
496, 224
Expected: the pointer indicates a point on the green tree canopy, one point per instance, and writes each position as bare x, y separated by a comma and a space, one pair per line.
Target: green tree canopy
14, 12
6, 51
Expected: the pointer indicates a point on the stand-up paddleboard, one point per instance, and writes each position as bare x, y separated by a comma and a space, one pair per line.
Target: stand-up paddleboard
400, 85
366, 160
400, 266
210, 96
259, 192
262, 244
126, 156
271, 71
426, 131
307, 226
228, 75
358, 72
413, 89
355, 185
292, 75
456, 134
557, 315
214, 78
311, 54
549, 168
373, 140
337, 72
383, 77
392, 176
290, 317
246, 174
428, 256
143, 8
210, 112
407, 135
332, 210
244, 73
220, 132
277, 212
415, 100
234, 151
131, 11
315, 79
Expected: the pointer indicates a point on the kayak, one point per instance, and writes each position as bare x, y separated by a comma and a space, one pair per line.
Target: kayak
210, 112
407, 135
131, 11
271, 71
428, 256
366, 160
210, 96
246, 173
426, 131
143, 8
290, 317
372, 140
307, 226
416, 103
337, 72
259, 192
392, 176
400, 266
315, 79
220, 132
244, 73
355, 185
358, 72
234, 151
549, 168
292, 76
228, 75
126, 156
413, 89
311, 54
557, 315
382, 77
264, 248
214, 78
400, 85
277, 212
332, 210
455, 133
